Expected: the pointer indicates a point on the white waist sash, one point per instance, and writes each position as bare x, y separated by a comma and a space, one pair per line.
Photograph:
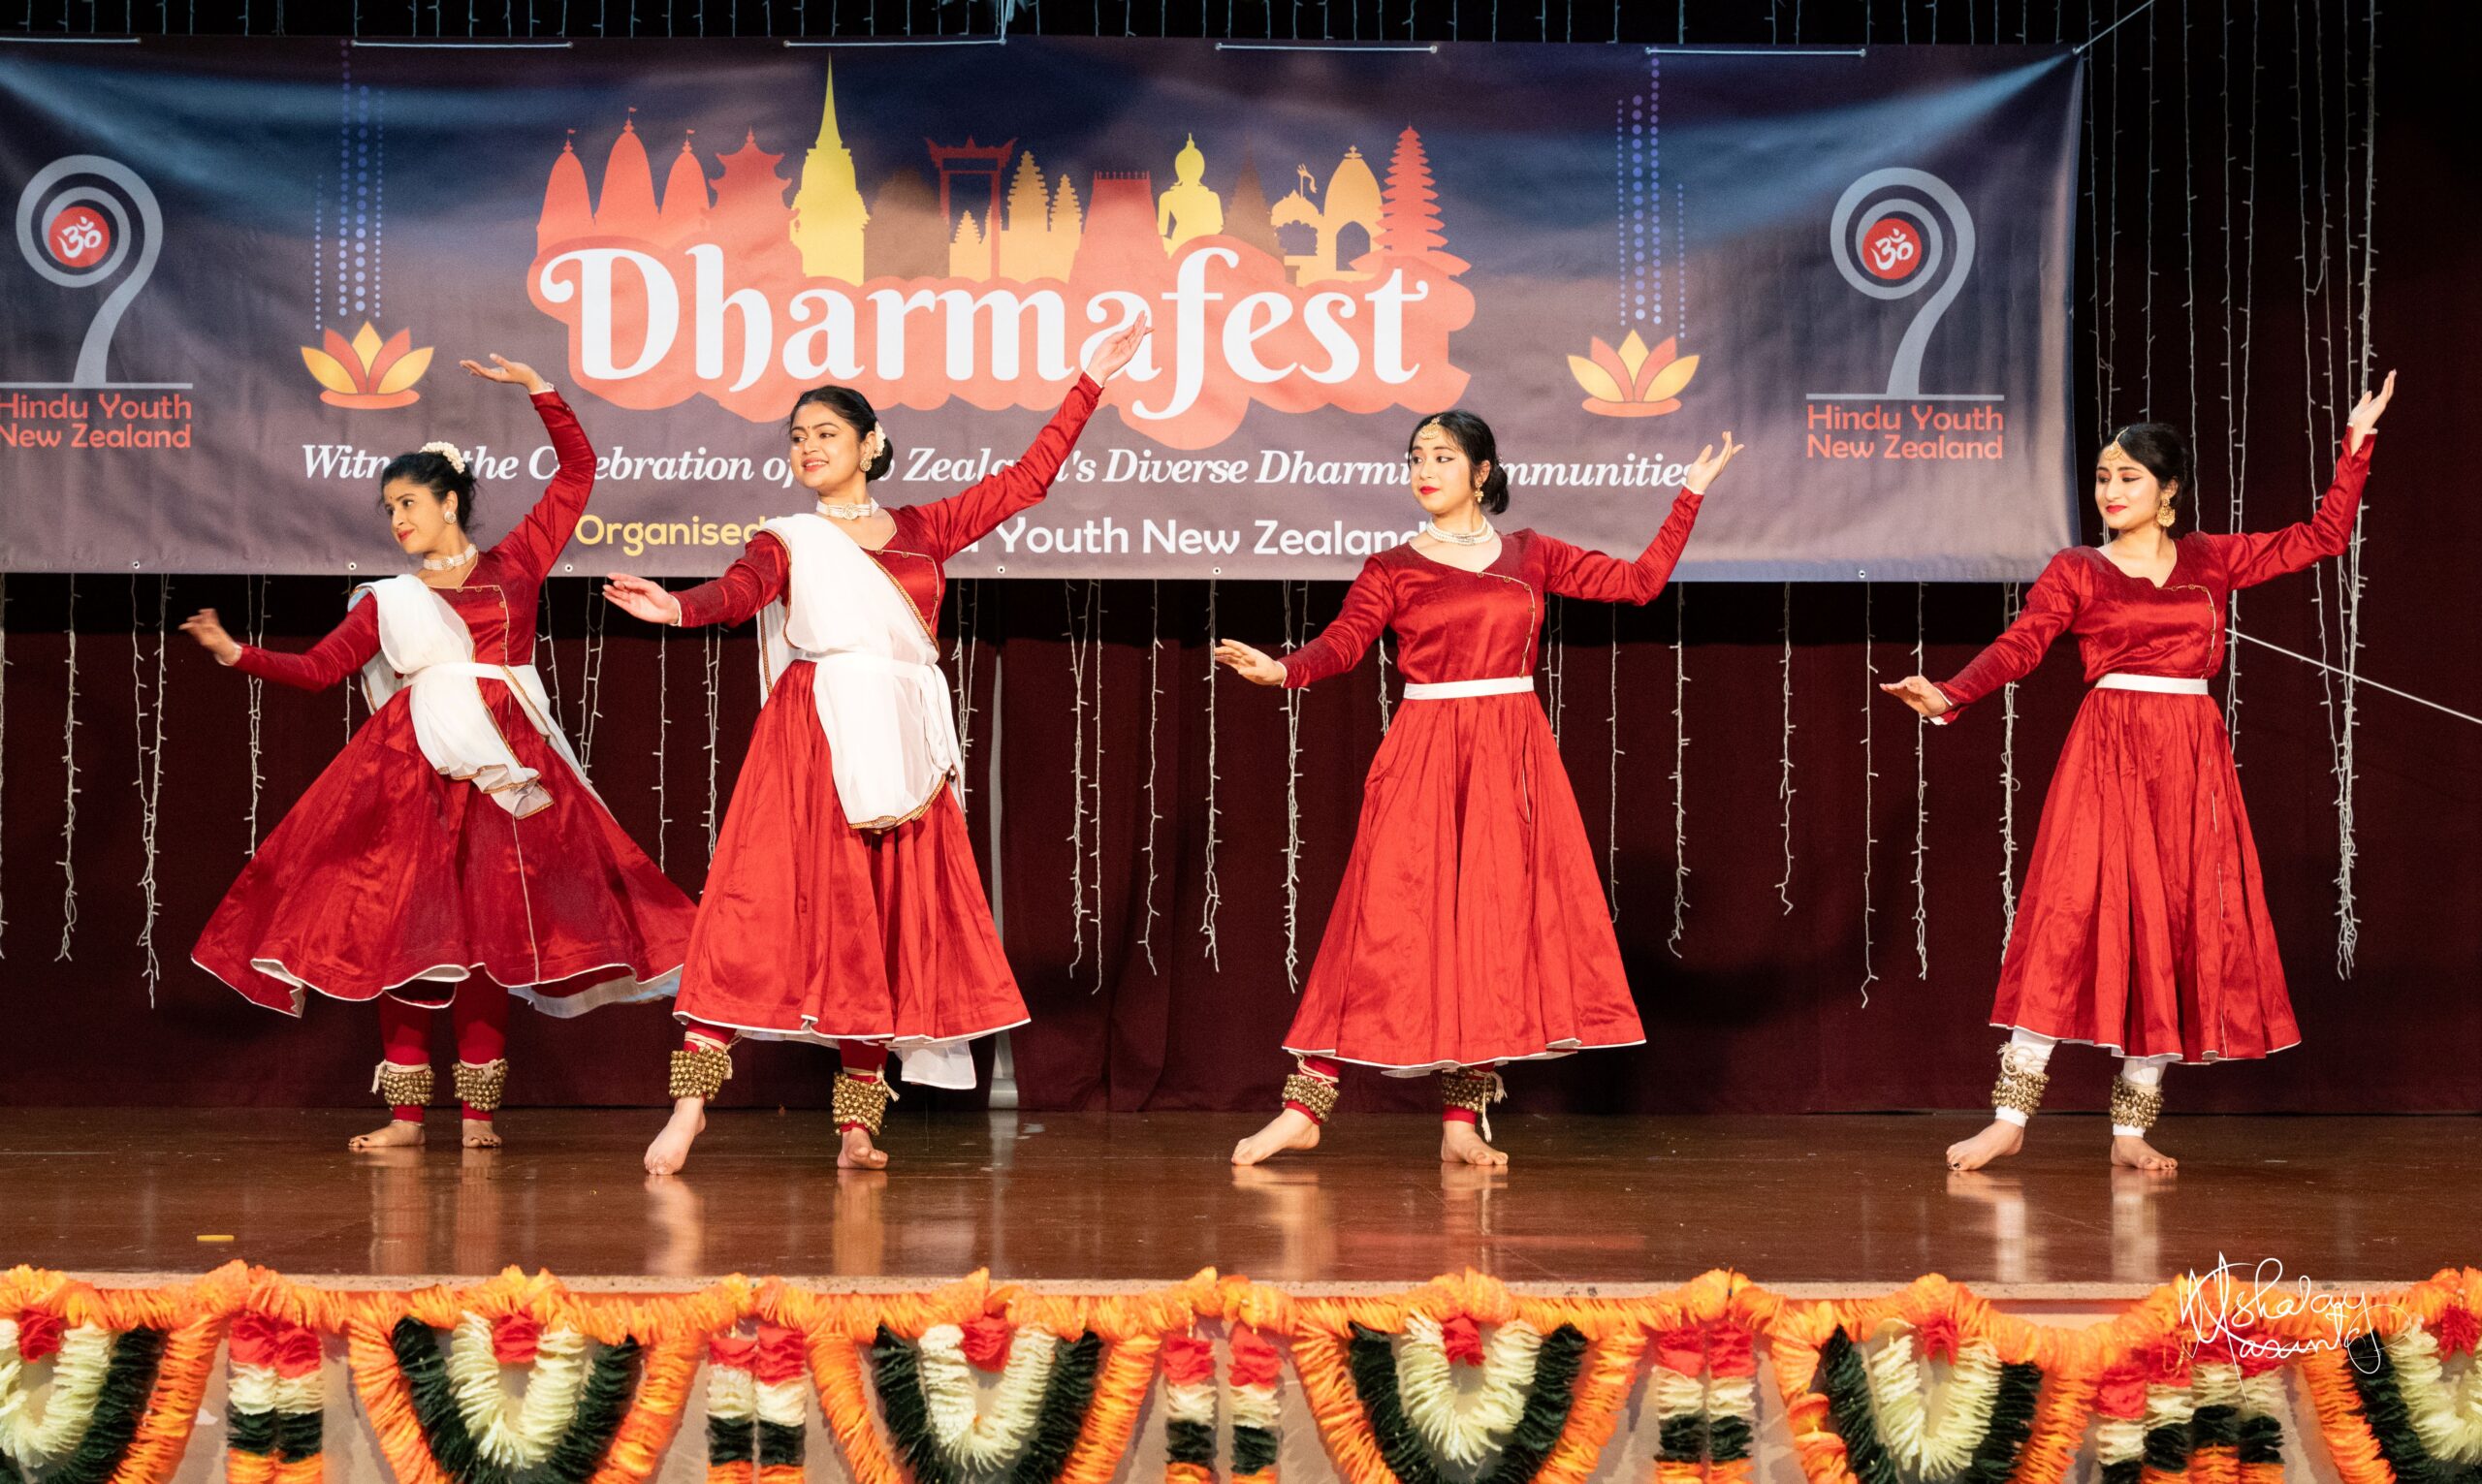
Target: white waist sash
2160, 684
1449, 690
425, 649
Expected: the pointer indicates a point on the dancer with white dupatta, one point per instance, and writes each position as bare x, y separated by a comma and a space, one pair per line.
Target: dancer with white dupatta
844, 907
453, 854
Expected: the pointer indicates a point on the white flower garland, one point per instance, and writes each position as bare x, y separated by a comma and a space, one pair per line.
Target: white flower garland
980, 1439
781, 1402
1965, 1403
260, 1389
2446, 1415
1464, 1434
732, 1394
77, 1383
1256, 1406
1734, 1397
507, 1432
1193, 1402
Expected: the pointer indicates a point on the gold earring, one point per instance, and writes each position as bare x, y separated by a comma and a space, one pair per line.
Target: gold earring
2164, 515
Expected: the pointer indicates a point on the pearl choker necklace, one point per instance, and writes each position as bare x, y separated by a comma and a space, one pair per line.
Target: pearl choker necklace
861, 512
444, 563
1455, 538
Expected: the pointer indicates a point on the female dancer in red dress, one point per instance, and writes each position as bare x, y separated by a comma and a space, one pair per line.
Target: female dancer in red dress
2143, 926
453, 853
844, 907
1469, 930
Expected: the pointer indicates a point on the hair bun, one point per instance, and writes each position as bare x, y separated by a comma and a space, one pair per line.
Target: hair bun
447, 451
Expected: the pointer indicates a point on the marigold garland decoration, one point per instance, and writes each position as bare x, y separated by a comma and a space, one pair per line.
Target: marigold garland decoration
1188, 1409
1703, 1391
127, 1371
2017, 1398
104, 1386
277, 1400
1255, 1372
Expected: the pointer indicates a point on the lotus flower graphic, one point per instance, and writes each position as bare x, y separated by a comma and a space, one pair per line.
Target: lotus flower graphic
366, 371
1632, 381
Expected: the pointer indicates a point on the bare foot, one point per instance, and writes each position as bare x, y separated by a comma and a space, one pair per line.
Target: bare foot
859, 1152
1998, 1139
2138, 1155
671, 1149
1461, 1143
396, 1133
1291, 1129
479, 1133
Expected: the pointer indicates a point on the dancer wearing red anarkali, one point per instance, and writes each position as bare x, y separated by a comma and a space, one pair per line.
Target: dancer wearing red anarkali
2143, 926
1470, 929
453, 854
843, 905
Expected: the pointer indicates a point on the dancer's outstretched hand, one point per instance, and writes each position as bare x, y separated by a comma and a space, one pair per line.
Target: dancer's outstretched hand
1709, 464
514, 372
1115, 353
1920, 694
1248, 663
641, 599
2365, 419
208, 630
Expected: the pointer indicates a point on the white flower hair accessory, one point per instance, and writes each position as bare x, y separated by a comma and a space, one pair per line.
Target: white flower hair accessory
447, 451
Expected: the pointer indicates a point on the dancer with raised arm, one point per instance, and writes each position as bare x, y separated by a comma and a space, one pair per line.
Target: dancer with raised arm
1469, 931
2143, 928
453, 854
844, 907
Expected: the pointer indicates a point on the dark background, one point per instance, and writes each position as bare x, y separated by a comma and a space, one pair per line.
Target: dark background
2223, 249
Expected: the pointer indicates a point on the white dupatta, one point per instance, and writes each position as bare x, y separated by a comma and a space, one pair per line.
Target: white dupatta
880, 699
425, 647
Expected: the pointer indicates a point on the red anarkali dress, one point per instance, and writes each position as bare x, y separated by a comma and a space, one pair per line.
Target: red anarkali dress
2143, 926
390, 878
1471, 927
810, 929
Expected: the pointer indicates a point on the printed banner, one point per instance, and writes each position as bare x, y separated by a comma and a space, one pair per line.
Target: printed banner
245, 270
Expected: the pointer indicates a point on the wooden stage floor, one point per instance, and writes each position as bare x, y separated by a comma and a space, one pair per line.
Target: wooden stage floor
1849, 1202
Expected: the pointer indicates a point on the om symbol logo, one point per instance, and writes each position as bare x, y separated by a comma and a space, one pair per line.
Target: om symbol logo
1891, 248
79, 237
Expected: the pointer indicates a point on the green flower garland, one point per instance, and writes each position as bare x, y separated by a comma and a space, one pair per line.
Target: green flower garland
2372, 1372
1371, 1358
602, 1403
1068, 1396
1843, 1379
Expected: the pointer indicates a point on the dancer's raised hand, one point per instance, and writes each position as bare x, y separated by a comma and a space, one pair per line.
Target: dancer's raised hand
1249, 664
641, 599
2365, 416
1709, 464
1920, 694
1116, 350
208, 630
513, 372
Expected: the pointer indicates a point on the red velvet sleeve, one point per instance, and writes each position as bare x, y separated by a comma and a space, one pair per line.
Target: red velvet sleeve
2251, 557
1574, 571
752, 583
348, 647
538, 539
1369, 603
2051, 607
950, 526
